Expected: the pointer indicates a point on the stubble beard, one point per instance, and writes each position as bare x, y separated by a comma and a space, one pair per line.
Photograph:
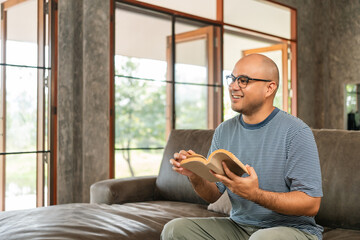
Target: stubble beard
249, 109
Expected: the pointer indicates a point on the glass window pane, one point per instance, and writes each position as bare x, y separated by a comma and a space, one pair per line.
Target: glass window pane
47, 52
20, 182
139, 120
191, 106
47, 111
21, 47
21, 102
235, 42
140, 113
21, 109
227, 111
189, 6
142, 36
46, 183
186, 26
352, 106
191, 68
352, 97
137, 162
191, 76
140, 89
259, 15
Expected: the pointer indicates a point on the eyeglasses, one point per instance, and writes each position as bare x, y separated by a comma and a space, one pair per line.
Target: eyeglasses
242, 80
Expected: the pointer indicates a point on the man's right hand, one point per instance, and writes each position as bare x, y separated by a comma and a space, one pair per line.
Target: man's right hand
178, 157
205, 189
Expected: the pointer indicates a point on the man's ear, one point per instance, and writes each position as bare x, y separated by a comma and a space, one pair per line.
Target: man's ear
271, 89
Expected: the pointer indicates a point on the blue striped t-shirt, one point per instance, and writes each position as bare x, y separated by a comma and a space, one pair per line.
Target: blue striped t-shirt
283, 152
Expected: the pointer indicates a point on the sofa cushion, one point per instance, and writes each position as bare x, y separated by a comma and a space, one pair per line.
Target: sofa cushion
171, 185
84, 221
339, 233
339, 153
222, 205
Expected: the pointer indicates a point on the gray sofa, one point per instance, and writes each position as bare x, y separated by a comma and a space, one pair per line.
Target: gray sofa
138, 208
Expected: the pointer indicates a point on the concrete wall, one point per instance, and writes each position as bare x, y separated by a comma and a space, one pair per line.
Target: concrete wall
83, 97
340, 45
328, 58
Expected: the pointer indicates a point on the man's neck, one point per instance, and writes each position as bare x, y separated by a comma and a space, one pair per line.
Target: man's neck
258, 116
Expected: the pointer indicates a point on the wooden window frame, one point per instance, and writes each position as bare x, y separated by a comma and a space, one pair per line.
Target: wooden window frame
52, 130
112, 92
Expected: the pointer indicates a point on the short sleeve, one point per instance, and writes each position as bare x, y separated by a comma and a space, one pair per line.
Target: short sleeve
303, 171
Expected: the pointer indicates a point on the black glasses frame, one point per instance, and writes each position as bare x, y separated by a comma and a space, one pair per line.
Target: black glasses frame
242, 80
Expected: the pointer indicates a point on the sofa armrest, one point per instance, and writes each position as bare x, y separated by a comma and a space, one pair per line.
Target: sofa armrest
118, 191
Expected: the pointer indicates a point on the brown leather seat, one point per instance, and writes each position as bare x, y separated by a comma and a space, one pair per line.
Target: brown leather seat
138, 208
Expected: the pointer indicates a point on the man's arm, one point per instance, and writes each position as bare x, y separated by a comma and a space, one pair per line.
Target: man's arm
205, 189
290, 203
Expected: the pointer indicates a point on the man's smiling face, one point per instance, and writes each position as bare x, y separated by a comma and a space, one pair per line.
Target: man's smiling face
251, 98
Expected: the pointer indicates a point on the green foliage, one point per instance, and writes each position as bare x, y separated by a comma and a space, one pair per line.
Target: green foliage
20, 174
21, 121
191, 107
21, 124
351, 98
140, 112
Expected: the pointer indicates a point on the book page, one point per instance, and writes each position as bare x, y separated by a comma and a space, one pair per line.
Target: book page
231, 161
200, 169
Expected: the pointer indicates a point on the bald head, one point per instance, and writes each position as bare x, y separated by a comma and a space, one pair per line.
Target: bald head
258, 66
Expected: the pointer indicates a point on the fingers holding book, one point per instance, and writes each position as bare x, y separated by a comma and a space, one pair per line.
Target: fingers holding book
178, 157
245, 187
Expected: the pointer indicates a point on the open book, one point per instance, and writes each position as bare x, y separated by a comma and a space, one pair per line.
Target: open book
201, 166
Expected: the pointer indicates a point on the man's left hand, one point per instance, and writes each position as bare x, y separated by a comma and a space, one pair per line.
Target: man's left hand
291, 203
246, 187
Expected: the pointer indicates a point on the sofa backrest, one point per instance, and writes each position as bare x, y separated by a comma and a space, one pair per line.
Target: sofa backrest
170, 185
339, 152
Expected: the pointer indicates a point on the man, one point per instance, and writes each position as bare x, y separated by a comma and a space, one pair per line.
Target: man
282, 193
